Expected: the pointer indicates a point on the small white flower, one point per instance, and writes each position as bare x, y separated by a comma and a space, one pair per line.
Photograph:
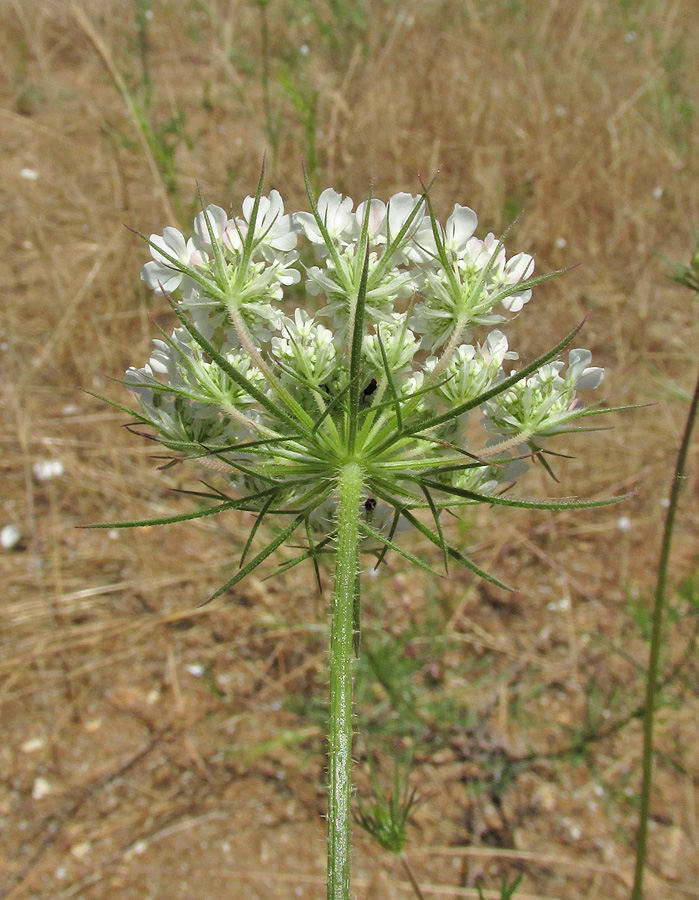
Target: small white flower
29, 174
335, 212
274, 231
10, 537
162, 274
48, 469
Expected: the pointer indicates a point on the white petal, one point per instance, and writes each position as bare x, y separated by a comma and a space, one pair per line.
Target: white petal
377, 214
590, 379
217, 219
400, 206
460, 227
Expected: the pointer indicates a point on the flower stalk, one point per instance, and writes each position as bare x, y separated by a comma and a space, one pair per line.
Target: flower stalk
349, 492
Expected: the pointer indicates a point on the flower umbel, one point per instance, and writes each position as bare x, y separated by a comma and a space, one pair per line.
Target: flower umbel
282, 400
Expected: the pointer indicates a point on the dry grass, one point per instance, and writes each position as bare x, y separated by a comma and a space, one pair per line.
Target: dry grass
159, 783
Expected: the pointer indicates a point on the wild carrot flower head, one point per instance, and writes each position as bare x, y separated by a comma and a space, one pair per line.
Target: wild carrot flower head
382, 369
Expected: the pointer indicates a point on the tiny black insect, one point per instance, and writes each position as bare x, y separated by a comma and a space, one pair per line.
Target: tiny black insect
369, 389
370, 504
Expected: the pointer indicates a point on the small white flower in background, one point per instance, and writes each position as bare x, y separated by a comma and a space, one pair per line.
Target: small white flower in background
48, 469
281, 398
624, 523
41, 788
196, 670
29, 174
10, 537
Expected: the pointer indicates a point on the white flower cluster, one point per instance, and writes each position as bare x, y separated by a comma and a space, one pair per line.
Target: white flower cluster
284, 400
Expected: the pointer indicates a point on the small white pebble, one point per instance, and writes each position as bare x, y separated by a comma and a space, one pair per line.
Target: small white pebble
561, 111
558, 605
113, 534
29, 174
10, 536
60, 873
304, 49
70, 409
196, 670
665, 502
624, 523
41, 788
46, 469
657, 193
148, 14
630, 37
575, 832
93, 725
80, 851
152, 696
32, 745
599, 790
561, 242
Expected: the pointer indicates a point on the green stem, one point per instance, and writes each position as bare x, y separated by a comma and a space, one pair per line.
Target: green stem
341, 653
653, 663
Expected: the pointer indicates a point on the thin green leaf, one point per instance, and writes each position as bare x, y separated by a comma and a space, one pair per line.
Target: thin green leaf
391, 533
261, 557
356, 356
330, 406
250, 237
525, 504
435, 516
297, 560
125, 409
453, 552
313, 553
391, 385
253, 531
377, 536
181, 517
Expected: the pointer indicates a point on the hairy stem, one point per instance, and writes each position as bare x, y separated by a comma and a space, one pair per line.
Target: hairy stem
654, 661
341, 653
